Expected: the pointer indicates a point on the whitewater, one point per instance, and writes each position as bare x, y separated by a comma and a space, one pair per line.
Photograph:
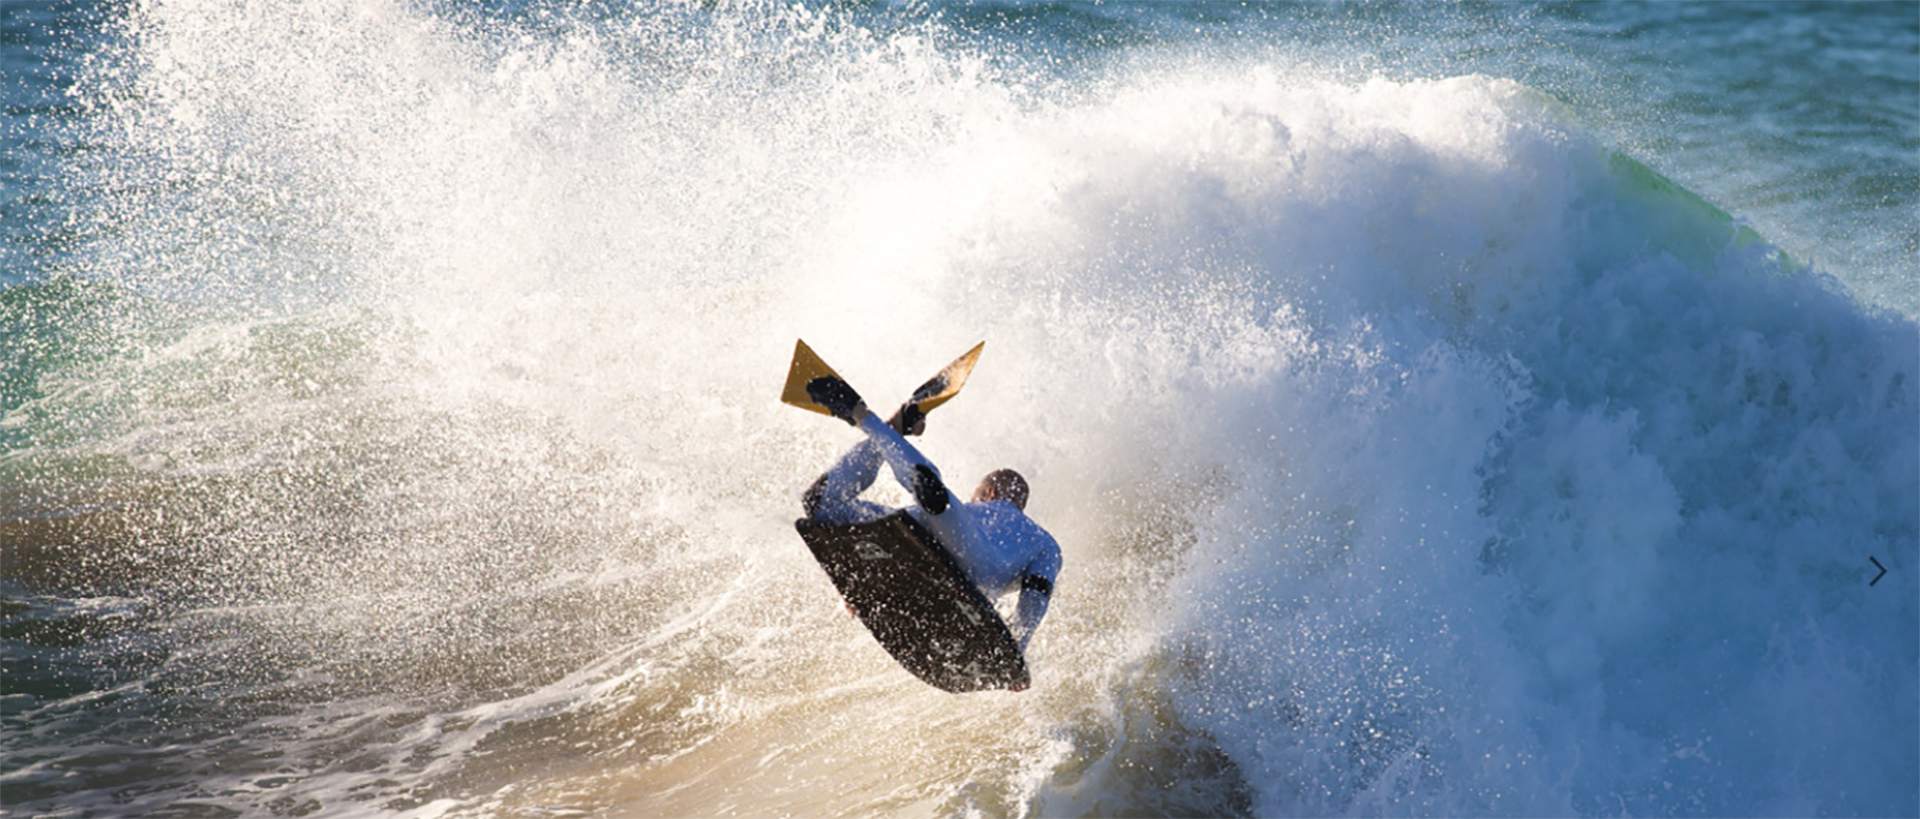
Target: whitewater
390, 426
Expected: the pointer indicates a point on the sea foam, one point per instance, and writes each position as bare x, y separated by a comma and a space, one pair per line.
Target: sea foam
1411, 451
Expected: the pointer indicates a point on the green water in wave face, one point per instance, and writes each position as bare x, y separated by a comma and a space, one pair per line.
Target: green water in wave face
1801, 119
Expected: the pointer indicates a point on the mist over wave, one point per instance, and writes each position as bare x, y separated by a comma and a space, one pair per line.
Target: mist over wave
406, 437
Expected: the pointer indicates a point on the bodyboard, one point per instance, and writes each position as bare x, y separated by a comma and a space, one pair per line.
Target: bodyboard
908, 591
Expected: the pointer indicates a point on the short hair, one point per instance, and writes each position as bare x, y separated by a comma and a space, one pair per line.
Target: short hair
1007, 485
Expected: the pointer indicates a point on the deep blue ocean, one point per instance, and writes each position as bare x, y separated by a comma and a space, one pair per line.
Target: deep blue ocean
1444, 409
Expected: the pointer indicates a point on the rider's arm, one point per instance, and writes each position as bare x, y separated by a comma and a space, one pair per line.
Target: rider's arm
1033, 606
1036, 590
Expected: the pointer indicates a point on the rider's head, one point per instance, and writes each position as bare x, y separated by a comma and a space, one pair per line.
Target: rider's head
1002, 484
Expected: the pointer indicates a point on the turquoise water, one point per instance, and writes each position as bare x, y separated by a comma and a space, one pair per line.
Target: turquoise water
1798, 118
1452, 410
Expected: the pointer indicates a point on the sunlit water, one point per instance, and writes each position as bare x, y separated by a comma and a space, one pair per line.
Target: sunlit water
1443, 410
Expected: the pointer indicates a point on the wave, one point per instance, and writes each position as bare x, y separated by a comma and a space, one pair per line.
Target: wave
1412, 451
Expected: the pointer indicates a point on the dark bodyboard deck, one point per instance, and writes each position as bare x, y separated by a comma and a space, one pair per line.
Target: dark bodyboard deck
911, 594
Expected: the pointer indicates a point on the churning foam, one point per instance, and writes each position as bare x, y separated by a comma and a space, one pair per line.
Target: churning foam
1410, 447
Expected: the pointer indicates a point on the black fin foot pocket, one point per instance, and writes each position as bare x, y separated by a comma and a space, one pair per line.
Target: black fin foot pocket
836, 395
928, 490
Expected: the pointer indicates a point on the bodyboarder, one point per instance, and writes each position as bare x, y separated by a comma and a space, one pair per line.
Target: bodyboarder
990, 536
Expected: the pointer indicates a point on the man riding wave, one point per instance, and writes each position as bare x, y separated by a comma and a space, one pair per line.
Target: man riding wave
990, 536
